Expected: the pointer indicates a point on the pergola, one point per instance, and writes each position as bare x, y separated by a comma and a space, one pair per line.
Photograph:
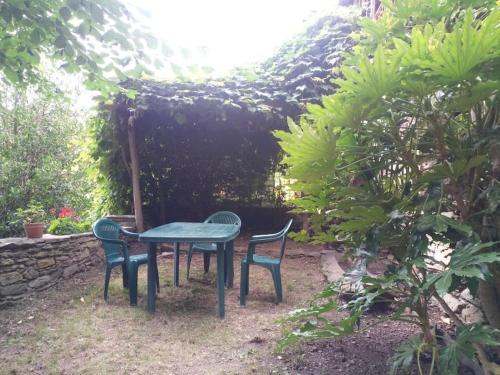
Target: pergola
169, 116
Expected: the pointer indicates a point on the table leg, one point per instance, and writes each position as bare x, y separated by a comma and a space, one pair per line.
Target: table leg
220, 278
132, 290
152, 277
225, 265
176, 263
230, 263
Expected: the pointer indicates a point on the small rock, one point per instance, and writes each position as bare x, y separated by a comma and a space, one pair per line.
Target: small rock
472, 314
466, 294
10, 278
454, 303
446, 320
12, 289
70, 270
39, 282
47, 262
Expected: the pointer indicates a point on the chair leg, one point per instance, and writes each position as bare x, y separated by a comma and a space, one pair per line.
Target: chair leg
132, 290
157, 278
106, 282
206, 262
243, 282
277, 283
190, 257
247, 283
125, 275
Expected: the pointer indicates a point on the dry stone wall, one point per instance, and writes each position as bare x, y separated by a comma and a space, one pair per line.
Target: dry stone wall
27, 266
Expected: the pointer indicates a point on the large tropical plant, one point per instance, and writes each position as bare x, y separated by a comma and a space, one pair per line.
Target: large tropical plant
405, 157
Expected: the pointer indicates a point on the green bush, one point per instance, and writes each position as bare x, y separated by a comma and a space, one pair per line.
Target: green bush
68, 225
39, 135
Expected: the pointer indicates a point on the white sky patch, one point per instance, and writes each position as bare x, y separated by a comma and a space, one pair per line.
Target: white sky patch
225, 34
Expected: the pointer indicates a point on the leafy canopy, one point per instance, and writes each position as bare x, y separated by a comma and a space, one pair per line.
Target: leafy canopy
97, 38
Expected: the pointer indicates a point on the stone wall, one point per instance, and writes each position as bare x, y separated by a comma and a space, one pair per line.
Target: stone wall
30, 265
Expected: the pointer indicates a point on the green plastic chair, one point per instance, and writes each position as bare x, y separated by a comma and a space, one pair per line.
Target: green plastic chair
272, 264
116, 251
221, 217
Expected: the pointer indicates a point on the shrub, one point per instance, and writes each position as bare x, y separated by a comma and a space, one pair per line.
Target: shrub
38, 152
67, 222
68, 225
406, 157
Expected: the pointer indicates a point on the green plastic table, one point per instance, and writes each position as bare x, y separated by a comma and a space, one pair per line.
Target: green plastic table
221, 234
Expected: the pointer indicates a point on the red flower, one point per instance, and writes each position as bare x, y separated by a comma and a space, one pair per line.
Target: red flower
67, 212
52, 210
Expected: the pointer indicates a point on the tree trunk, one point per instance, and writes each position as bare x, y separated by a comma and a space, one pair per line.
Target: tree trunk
136, 187
489, 294
489, 291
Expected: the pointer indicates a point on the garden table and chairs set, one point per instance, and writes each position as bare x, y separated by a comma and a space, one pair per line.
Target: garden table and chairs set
215, 236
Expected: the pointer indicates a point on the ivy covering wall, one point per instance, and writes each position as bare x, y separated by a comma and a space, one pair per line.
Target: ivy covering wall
204, 146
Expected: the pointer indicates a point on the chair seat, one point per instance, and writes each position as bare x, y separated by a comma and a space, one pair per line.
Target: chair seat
205, 247
139, 258
116, 260
262, 260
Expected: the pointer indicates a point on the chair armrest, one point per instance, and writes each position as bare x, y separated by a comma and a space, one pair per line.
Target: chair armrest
265, 238
129, 234
120, 242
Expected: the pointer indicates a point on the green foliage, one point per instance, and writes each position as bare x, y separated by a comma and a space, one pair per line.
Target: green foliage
405, 354
208, 145
192, 161
404, 157
34, 213
68, 225
468, 261
98, 38
38, 134
463, 346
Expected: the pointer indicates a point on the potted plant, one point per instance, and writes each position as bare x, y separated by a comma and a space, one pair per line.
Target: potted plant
33, 218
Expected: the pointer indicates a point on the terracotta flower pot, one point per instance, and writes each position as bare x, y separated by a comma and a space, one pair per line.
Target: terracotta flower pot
34, 230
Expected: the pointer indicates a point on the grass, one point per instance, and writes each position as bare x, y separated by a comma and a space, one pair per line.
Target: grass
71, 330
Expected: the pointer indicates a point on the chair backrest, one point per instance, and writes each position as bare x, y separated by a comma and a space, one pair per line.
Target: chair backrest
283, 233
224, 217
106, 229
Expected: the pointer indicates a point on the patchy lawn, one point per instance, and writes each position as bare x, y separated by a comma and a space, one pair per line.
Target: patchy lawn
69, 329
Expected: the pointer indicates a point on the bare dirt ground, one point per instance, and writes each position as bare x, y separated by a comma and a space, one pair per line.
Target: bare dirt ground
70, 329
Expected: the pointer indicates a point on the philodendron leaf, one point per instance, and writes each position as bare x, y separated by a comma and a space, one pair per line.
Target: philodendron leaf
443, 284
440, 223
462, 346
468, 261
403, 358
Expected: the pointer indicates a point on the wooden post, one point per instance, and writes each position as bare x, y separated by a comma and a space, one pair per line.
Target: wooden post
134, 161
